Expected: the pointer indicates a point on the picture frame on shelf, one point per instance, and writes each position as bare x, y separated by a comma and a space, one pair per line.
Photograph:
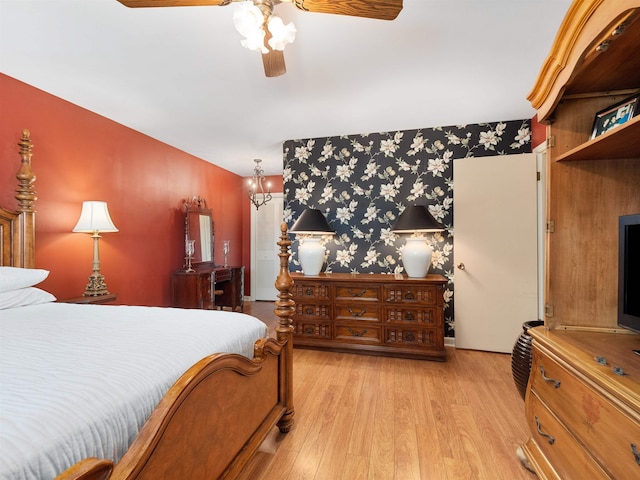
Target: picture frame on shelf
615, 115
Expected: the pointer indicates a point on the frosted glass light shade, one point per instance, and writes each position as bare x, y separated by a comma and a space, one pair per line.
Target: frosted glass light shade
251, 21
311, 254
416, 257
94, 217
248, 20
281, 34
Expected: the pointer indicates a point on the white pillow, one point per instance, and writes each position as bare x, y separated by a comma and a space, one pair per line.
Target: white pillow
14, 278
23, 297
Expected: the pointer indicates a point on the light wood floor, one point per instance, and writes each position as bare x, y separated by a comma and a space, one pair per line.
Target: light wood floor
368, 417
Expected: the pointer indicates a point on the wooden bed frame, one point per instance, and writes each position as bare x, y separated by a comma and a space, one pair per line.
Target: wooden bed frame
215, 417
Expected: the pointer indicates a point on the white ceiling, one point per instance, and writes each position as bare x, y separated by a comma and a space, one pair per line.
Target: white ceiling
180, 75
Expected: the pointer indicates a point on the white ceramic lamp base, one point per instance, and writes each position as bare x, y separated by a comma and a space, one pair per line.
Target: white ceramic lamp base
311, 254
416, 257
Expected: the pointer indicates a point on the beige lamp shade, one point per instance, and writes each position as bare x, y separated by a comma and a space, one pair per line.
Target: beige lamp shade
94, 217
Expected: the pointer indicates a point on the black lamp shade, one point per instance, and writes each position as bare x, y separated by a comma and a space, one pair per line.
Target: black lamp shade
312, 221
416, 218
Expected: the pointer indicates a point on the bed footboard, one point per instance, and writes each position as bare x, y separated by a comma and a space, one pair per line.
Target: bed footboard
214, 418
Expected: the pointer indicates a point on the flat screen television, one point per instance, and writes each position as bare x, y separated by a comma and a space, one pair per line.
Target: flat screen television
629, 272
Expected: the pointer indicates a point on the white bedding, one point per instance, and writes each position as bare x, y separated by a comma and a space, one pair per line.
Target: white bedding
79, 381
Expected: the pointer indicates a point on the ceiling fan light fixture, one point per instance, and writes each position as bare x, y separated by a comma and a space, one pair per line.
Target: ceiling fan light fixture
248, 20
281, 34
255, 42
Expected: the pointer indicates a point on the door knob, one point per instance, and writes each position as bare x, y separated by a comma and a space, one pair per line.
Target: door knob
460, 266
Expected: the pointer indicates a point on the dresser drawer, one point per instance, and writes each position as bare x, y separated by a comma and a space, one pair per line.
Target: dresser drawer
412, 337
412, 316
362, 312
570, 460
304, 291
422, 294
308, 310
358, 333
604, 429
305, 328
357, 293
222, 275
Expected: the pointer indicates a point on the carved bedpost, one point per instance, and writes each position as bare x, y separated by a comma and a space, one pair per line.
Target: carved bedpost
285, 308
24, 252
25, 195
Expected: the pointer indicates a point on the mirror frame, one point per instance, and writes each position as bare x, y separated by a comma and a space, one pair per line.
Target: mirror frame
198, 226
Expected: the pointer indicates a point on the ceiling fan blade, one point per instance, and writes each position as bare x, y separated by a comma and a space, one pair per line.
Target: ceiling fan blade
380, 9
172, 3
273, 63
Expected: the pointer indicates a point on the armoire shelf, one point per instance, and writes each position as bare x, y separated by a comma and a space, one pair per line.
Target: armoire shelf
621, 142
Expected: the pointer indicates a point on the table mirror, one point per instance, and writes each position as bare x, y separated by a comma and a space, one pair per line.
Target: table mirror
198, 225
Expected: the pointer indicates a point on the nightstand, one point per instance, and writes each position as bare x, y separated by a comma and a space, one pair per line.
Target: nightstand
110, 297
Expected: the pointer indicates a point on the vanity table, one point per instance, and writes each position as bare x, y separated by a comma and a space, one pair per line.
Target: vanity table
208, 288
202, 283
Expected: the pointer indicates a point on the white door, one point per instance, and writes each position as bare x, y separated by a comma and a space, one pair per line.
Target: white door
265, 263
495, 240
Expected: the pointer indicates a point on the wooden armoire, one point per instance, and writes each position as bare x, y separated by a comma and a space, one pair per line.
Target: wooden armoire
583, 397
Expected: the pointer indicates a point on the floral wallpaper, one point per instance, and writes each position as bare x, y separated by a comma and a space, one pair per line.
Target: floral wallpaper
363, 182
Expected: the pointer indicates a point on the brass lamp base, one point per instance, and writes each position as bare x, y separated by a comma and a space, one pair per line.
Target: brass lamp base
96, 286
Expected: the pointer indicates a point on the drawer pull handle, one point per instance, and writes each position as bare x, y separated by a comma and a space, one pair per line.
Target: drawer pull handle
550, 439
556, 383
356, 294
635, 453
409, 317
308, 311
308, 291
600, 360
357, 334
357, 314
409, 296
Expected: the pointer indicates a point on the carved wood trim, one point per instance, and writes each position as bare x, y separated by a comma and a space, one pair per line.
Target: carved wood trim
574, 47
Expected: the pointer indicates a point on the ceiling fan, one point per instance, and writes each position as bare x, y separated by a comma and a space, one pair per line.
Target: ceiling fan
271, 47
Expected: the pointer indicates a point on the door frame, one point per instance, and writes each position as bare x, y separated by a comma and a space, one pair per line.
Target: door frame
541, 166
276, 197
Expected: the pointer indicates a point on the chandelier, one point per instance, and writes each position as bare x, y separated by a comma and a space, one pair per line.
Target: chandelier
257, 194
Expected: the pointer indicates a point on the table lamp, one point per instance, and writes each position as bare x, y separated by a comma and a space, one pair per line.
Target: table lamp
95, 219
311, 251
416, 253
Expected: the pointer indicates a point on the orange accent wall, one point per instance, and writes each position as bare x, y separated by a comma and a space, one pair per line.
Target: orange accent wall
538, 132
79, 155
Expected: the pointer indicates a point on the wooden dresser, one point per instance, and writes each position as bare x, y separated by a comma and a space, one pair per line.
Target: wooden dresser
208, 288
583, 416
370, 313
